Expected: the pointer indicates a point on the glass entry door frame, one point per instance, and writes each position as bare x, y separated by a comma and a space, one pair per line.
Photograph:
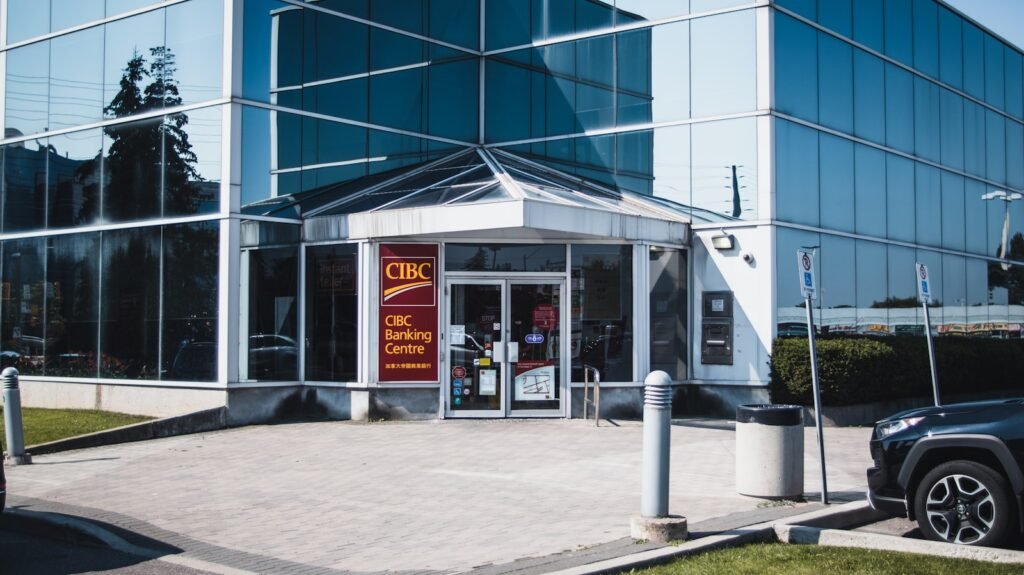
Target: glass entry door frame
502, 359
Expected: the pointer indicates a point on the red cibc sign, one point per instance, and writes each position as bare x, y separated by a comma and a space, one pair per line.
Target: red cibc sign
408, 312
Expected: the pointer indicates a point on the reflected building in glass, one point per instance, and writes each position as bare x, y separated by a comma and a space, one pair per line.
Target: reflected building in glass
199, 197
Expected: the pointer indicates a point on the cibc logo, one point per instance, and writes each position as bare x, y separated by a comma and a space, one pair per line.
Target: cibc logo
408, 281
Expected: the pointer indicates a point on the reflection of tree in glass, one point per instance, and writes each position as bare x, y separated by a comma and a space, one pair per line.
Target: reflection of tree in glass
1013, 278
141, 154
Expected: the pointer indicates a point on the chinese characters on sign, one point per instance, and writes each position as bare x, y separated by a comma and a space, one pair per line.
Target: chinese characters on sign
408, 312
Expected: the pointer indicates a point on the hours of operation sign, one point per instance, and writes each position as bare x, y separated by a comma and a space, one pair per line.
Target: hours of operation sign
408, 313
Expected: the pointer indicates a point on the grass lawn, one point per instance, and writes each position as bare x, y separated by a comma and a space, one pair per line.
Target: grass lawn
45, 425
780, 559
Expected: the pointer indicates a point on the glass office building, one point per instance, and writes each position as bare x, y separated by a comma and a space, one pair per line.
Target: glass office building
470, 208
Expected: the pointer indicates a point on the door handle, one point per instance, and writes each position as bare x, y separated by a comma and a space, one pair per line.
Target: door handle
513, 352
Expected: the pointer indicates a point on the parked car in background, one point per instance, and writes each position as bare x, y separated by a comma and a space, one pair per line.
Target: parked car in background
958, 470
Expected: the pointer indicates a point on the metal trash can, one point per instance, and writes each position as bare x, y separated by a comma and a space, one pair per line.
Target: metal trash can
770, 450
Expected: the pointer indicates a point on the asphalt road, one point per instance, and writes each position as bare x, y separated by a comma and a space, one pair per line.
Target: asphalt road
28, 554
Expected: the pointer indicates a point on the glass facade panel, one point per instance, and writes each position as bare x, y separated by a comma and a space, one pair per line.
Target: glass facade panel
332, 294
505, 257
868, 100
805, 8
976, 217
1014, 83
724, 172
899, 109
899, 31
870, 196
73, 195
796, 173
838, 296
835, 85
951, 48
900, 198
929, 205
837, 183
953, 212
132, 165
954, 292
792, 313
72, 293
868, 24
1014, 154
927, 119
668, 304
27, 90
975, 159
27, 19
24, 309
951, 129
273, 309
189, 321
659, 92
926, 37
837, 15
195, 44
134, 62
905, 317
995, 146
995, 83
24, 186
796, 60
632, 11
872, 287
75, 97
130, 304
68, 13
974, 60
602, 313
725, 42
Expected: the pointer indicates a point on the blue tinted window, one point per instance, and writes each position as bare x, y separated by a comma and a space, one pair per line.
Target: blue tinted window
671, 164
195, 37
926, 37
975, 217
899, 108
804, 8
835, 83
508, 102
455, 21
837, 183
900, 197
661, 91
952, 129
630, 11
902, 286
508, 23
929, 205
951, 48
995, 136
717, 148
837, 15
868, 23
796, 76
724, 42
838, 296
952, 211
872, 286
796, 173
870, 190
27, 89
869, 100
1014, 83
453, 99
899, 31
995, 87
954, 290
27, 19
1014, 154
68, 13
24, 186
926, 119
73, 180
974, 139
74, 95
126, 41
974, 61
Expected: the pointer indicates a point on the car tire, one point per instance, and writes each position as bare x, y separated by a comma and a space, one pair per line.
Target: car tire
964, 502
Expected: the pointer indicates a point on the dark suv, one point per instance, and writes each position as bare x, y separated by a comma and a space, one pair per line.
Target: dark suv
958, 470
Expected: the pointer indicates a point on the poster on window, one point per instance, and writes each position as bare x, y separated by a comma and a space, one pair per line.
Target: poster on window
534, 381
408, 313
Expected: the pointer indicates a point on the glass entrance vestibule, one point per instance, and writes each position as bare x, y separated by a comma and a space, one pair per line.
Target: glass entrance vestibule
495, 329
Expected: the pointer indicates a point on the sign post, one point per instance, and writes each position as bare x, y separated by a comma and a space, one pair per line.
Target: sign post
808, 286
924, 295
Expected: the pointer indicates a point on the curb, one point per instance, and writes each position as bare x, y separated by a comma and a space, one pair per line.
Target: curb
69, 529
200, 421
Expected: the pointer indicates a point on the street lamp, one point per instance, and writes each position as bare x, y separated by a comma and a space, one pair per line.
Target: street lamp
1006, 197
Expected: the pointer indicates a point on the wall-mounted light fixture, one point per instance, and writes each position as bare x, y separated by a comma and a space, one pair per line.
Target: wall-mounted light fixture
724, 241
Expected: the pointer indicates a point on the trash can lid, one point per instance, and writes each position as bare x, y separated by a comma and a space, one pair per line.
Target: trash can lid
770, 414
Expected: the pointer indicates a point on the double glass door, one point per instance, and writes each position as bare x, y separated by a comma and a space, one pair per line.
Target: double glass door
504, 348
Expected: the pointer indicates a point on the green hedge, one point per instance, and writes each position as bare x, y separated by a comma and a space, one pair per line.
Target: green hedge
866, 369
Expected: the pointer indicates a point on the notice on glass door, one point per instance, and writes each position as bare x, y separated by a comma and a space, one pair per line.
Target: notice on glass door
488, 382
534, 381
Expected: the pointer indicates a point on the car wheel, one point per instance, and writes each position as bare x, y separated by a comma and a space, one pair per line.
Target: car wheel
963, 502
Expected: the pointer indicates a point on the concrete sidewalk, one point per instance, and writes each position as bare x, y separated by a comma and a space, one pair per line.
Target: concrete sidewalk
446, 496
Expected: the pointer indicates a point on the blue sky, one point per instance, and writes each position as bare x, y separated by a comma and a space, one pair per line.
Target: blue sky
1004, 17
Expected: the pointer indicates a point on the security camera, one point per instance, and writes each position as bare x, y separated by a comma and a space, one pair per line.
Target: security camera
747, 257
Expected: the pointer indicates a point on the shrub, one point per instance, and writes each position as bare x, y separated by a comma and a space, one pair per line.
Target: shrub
866, 369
